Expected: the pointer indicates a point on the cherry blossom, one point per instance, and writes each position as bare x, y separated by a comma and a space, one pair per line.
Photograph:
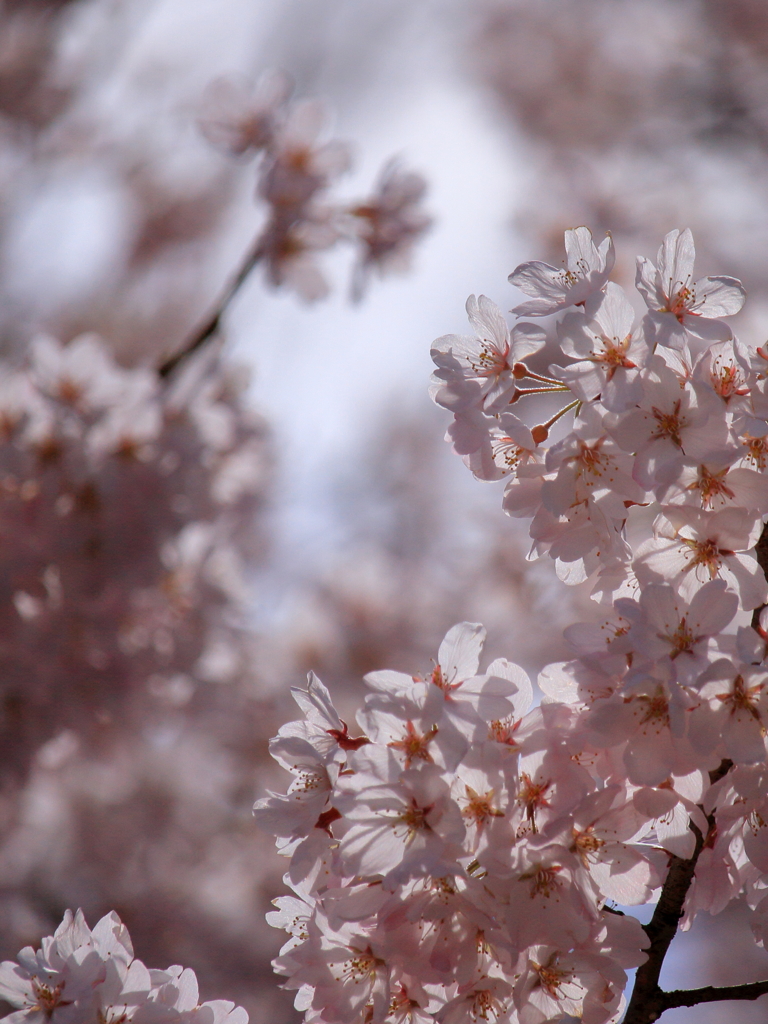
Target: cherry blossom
481, 369
91, 977
388, 223
733, 710
586, 271
237, 117
690, 547
555, 984
493, 449
667, 425
669, 289
608, 347
467, 844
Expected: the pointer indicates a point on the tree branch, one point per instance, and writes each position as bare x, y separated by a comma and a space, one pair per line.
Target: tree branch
761, 553
710, 994
211, 325
648, 1001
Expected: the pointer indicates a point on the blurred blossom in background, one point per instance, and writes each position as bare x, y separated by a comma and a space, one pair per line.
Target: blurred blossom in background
177, 551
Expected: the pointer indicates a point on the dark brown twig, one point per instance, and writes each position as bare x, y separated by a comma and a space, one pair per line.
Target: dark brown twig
761, 552
648, 1001
209, 328
710, 994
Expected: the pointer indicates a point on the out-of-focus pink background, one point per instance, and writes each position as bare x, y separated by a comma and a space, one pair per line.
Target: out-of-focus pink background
364, 539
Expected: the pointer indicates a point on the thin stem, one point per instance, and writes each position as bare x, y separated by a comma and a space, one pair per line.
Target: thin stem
541, 377
710, 994
522, 392
563, 411
210, 326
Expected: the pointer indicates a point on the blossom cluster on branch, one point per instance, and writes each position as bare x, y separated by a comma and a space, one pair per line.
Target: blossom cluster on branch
461, 857
79, 976
132, 497
124, 508
296, 170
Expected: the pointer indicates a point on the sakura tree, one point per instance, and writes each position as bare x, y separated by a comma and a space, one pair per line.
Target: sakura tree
471, 853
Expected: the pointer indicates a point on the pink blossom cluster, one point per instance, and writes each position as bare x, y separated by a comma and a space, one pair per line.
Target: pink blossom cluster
79, 976
669, 421
453, 861
297, 168
463, 856
124, 504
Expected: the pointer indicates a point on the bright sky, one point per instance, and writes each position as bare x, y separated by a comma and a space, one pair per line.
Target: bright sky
322, 374
391, 72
